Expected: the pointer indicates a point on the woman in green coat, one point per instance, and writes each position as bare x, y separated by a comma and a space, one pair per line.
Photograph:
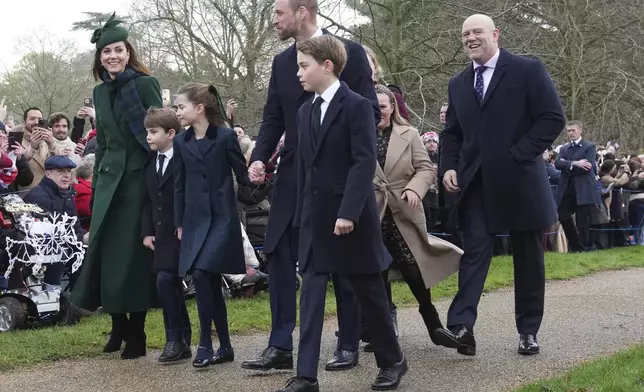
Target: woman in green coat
117, 271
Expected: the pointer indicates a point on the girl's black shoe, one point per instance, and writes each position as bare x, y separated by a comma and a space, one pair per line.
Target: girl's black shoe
203, 358
223, 355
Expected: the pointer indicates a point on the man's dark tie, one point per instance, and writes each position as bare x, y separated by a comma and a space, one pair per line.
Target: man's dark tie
479, 87
160, 169
316, 114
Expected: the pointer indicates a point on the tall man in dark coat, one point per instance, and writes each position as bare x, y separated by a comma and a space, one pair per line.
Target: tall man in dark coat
296, 19
578, 189
503, 113
337, 213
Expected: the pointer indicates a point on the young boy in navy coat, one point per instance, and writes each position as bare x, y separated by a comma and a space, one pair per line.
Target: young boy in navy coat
159, 235
336, 212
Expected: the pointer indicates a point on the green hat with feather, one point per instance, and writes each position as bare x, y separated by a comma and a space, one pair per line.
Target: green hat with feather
110, 33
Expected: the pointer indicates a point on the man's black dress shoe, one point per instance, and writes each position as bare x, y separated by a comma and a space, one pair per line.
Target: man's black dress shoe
175, 351
271, 358
528, 345
389, 378
460, 337
203, 358
342, 360
223, 355
297, 384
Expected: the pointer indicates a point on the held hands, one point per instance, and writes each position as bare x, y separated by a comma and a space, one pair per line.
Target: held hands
343, 226
257, 173
583, 164
450, 181
413, 200
148, 242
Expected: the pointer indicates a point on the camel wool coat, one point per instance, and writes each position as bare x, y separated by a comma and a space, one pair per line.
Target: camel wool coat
408, 167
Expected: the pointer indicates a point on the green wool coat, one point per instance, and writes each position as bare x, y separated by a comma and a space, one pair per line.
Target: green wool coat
117, 272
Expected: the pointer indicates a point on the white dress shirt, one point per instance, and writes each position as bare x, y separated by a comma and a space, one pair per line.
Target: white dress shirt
327, 96
317, 33
489, 71
168, 155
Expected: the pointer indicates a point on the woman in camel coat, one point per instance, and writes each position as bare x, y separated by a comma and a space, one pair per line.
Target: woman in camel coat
402, 179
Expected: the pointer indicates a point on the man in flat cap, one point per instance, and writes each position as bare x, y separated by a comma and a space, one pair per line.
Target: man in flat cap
55, 194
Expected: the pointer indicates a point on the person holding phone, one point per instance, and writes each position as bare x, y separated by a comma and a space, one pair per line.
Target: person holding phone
34, 144
14, 168
85, 145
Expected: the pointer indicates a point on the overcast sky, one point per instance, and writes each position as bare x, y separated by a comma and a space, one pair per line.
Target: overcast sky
23, 17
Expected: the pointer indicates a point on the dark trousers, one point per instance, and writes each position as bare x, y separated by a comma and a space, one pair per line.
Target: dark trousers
372, 299
175, 313
348, 310
636, 218
364, 331
54, 273
529, 268
578, 235
211, 306
282, 269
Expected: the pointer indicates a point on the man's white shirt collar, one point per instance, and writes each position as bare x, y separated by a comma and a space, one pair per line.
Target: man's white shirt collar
491, 63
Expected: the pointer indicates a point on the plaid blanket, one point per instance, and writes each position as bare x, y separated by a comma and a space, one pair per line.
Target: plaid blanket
129, 102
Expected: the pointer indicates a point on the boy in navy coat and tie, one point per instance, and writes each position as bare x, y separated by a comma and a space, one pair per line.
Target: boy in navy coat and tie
336, 212
159, 235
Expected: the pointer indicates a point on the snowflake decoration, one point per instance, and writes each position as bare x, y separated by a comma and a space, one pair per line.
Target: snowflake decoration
47, 241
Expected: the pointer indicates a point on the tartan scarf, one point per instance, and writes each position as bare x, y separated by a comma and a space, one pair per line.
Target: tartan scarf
128, 101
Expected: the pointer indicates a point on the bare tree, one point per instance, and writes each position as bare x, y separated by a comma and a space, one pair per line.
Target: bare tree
52, 74
592, 49
225, 42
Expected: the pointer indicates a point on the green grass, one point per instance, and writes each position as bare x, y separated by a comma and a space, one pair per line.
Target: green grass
623, 372
30, 347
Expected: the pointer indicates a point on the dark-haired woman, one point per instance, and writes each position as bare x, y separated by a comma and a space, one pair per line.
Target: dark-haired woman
205, 210
117, 271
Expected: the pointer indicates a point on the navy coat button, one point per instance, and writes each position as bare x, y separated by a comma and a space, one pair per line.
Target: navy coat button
159, 208
315, 191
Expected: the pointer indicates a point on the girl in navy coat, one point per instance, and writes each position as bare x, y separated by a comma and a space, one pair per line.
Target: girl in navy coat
206, 211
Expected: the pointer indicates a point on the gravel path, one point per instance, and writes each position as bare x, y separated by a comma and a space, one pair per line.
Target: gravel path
585, 318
